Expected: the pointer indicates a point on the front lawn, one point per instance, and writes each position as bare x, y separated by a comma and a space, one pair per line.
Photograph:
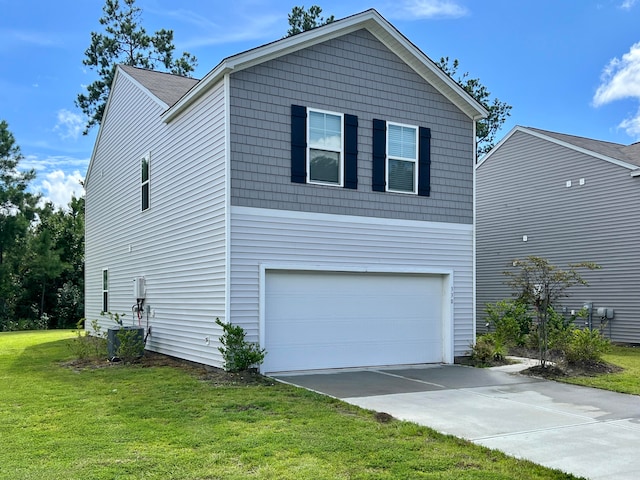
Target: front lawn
626, 381
169, 422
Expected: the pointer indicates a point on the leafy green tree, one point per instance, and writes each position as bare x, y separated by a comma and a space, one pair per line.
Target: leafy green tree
65, 302
301, 20
17, 206
17, 210
499, 111
124, 41
43, 266
538, 283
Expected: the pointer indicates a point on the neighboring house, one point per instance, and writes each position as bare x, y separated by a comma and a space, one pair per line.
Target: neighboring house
570, 200
317, 191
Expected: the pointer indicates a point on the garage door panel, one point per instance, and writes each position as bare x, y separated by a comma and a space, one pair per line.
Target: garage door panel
333, 320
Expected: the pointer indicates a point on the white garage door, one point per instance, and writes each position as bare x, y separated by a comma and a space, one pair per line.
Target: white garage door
316, 320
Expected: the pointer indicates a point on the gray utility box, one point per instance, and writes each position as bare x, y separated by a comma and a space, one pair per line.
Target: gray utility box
113, 341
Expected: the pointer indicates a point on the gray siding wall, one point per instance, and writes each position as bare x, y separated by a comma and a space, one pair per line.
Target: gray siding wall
521, 190
179, 243
261, 236
353, 74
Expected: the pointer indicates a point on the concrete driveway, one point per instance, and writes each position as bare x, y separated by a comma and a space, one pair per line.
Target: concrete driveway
584, 431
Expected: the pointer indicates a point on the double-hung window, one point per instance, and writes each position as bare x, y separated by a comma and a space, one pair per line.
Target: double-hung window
325, 148
144, 181
402, 158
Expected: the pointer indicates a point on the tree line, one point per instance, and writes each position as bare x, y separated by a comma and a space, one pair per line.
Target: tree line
41, 250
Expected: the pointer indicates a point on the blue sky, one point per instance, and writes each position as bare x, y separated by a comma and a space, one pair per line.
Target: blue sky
571, 66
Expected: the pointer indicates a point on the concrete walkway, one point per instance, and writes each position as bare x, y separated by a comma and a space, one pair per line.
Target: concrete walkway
584, 431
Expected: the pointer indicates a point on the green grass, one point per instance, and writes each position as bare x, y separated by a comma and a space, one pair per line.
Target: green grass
626, 381
129, 422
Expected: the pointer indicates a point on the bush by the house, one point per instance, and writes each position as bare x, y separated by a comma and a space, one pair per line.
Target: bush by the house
239, 355
488, 349
587, 345
510, 322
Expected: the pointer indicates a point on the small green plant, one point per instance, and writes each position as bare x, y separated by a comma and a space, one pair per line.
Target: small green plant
559, 330
587, 345
510, 321
89, 345
239, 355
489, 348
130, 345
114, 317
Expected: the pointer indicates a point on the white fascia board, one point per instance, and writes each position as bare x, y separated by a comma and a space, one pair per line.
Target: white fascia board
427, 69
116, 79
635, 173
498, 145
370, 20
571, 146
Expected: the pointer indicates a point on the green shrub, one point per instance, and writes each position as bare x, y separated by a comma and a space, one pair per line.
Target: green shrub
559, 330
510, 321
89, 346
488, 349
239, 355
587, 345
130, 345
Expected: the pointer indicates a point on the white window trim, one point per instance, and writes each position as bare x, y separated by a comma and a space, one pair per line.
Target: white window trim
340, 151
414, 160
147, 157
103, 290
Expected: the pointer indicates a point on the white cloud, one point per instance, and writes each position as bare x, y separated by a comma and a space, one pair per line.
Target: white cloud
621, 79
628, 4
69, 124
29, 37
58, 187
53, 162
251, 26
424, 9
632, 126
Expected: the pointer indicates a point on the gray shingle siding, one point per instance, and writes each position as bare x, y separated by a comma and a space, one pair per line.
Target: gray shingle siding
521, 190
353, 74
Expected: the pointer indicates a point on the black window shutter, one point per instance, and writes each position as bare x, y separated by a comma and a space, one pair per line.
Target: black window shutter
379, 154
350, 151
424, 159
298, 144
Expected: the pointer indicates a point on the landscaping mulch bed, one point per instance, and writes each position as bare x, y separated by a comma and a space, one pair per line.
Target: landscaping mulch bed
584, 369
557, 367
213, 375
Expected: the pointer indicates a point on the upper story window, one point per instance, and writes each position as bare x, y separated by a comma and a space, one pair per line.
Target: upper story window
324, 147
144, 181
324, 157
402, 158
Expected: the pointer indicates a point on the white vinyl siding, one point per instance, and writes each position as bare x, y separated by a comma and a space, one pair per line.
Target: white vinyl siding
325, 147
402, 158
276, 237
178, 245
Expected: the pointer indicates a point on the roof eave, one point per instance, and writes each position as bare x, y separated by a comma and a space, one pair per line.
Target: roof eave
591, 153
370, 20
